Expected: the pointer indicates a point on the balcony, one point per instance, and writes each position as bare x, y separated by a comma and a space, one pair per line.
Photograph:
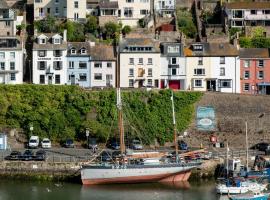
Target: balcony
167, 7
258, 17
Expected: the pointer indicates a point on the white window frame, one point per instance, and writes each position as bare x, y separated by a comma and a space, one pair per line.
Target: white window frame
196, 81
140, 62
246, 74
131, 72
222, 71
245, 86
98, 74
246, 63
260, 74
131, 61
131, 83
196, 70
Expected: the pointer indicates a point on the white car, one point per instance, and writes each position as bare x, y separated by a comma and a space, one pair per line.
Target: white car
46, 143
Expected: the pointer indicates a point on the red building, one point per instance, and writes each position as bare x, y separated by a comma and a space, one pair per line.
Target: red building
255, 71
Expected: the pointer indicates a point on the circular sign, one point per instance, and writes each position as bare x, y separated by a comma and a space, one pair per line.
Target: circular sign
205, 122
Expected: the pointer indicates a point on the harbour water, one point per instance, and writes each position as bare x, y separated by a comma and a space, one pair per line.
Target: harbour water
21, 190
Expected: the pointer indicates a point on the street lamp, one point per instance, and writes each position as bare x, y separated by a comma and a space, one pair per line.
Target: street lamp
87, 136
31, 128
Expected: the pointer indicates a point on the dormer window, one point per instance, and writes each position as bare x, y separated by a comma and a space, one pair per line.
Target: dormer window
83, 51
73, 51
198, 47
42, 41
56, 41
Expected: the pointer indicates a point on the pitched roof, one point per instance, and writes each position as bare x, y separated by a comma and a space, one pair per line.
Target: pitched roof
102, 52
254, 53
212, 49
248, 5
78, 46
3, 4
140, 42
49, 45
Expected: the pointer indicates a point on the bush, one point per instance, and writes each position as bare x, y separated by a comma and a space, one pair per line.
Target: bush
245, 42
126, 30
91, 25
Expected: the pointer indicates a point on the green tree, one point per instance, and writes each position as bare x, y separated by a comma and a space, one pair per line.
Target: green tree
91, 25
110, 29
258, 31
245, 42
47, 25
126, 30
75, 31
260, 42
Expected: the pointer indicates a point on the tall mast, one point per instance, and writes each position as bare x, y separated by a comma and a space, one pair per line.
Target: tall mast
174, 130
120, 121
247, 147
227, 160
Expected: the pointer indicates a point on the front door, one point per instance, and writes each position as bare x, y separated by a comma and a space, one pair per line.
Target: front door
140, 84
211, 85
108, 80
72, 79
50, 79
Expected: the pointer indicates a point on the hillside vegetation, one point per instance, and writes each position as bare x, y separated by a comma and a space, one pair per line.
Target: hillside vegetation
61, 112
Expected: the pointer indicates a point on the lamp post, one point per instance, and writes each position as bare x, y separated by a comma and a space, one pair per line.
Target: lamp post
87, 136
31, 128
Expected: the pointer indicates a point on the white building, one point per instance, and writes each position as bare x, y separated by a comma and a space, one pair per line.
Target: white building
49, 59
164, 7
139, 63
173, 66
11, 60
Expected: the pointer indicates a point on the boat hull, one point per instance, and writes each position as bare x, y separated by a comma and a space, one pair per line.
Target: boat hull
106, 175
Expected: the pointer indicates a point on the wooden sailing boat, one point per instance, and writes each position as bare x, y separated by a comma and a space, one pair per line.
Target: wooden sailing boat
126, 172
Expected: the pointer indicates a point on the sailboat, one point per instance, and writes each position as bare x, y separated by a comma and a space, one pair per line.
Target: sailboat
125, 171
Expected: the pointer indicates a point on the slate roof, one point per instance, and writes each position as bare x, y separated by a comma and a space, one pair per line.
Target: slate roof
212, 49
248, 5
102, 52
140, 42
78, 46
3, 4
254, 53
49, 45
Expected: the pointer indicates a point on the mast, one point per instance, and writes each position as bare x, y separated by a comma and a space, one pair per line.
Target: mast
174, 130
227, 160
247, 147
120, 121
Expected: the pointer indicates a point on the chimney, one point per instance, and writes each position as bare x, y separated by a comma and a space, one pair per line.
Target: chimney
65, 35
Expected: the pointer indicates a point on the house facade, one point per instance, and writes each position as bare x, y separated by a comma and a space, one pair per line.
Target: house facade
65, 9
164, 7
255, 71
139, 63
11, 60
49, 59
212, 67
173, 66
7, 20
78, 64
102, 66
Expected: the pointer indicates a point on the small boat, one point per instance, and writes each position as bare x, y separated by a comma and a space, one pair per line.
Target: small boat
239, 186
250, 196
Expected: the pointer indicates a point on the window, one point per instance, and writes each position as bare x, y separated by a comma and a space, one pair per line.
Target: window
83, 51
40, 12
222, 60
173, 49
76, 4
246, 75
41, 79
56, 1
128, 12
2, 55
12, 65
7, 23
98, 76
76, 16
200, 61
130, 83
198, 47
42, 41
174, 70
131, 61
82, 65
56, 11
42, 53
41, 65
130, 1
197, 83
144, 12
83, 77
2, 65
246, 63
57, 65
150, 72
12, 55
173, 61
246, 87
38, 1
149, 61
57, 53
149, 82
222, 71
12, 76
73, 51
199, 71
98, 65
253, 12
140, 61
57, 79
260, 75
56, 41
144, 1
260, 63
131, 72
109, 65
71, 64
225, 83
267, 12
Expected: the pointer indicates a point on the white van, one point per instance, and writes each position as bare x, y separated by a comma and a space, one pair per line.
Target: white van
33, 142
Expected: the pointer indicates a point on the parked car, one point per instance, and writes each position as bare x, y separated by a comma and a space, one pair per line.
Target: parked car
33, 142
27, 155
113, 144
92, 144
14, 155
136, 144
46, 143
263, 146
69, 143
40, 155
182, 145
